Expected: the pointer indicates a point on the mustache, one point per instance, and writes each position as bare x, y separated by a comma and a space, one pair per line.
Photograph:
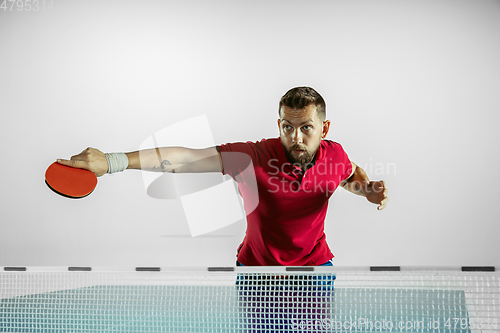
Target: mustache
298, 147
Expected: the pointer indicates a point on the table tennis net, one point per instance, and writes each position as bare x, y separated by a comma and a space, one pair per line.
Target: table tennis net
331, 300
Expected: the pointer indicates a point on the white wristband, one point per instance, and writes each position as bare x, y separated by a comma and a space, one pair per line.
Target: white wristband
117, 162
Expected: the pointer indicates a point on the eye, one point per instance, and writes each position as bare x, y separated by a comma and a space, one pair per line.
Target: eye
307, 128
287, 127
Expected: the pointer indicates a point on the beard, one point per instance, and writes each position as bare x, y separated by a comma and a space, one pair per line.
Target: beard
303, 159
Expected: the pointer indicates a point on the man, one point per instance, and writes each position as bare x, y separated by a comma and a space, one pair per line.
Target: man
295, 174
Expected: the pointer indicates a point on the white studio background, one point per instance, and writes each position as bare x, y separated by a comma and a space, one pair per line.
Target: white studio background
412, 90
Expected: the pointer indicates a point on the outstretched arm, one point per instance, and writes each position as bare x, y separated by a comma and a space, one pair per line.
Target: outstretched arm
176, 159
359, 183
166, 159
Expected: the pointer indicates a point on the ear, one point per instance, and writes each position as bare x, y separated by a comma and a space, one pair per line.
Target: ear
326, 128
279, 124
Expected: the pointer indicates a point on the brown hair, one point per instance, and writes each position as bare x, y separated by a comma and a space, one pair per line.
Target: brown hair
300, 97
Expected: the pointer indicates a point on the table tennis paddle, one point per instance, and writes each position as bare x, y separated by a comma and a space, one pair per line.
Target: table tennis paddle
70, 182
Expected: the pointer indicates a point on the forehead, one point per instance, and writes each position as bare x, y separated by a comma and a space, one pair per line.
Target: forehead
292, 115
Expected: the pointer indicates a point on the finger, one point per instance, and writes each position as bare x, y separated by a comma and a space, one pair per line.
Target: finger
383, 204
63, 162
73, 163
79, 157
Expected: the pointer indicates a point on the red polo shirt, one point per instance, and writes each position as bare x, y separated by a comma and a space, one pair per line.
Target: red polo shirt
285, 219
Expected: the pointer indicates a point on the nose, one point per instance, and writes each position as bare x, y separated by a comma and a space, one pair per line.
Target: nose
297, 137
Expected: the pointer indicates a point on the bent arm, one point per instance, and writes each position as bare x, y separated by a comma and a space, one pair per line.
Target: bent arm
359, 183
175, 159
356, 181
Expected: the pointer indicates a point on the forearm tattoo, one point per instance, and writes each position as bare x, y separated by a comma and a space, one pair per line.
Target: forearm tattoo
165, 166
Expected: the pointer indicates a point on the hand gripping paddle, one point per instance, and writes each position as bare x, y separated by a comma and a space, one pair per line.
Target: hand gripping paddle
70, 182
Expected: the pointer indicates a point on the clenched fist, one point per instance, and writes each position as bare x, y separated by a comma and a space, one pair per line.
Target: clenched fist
376, 193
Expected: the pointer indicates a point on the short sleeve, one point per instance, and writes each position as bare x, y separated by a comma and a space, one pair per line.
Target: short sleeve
348, 171
235, 157
346, 161
337, 155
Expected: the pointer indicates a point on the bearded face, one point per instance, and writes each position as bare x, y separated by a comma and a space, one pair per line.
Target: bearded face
301, 131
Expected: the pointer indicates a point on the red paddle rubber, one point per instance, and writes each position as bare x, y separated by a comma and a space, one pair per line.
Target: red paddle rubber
70, 182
